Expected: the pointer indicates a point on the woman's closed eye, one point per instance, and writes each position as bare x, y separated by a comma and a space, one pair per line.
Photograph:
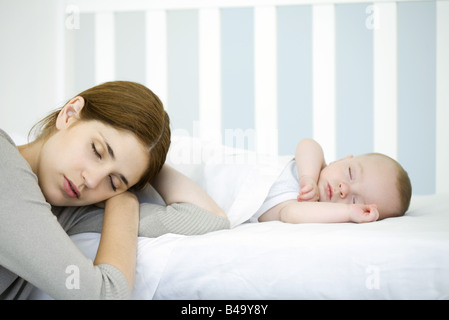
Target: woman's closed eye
98, 155
112, 184
94, 149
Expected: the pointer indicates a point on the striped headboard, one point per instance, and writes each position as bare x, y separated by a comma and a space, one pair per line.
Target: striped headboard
358, 76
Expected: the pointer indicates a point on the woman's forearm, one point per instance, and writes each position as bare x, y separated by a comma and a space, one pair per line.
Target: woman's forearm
174, 187
118, 243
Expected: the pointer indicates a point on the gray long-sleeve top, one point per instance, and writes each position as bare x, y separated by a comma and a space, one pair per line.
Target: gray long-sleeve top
35, 248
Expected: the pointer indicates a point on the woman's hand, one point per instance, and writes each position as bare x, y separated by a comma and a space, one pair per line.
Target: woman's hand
127, 194
124, 198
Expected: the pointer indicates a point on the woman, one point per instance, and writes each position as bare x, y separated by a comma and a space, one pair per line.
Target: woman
107, 140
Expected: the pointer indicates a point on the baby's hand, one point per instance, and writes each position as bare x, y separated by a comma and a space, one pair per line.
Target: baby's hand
363, 213
309, 189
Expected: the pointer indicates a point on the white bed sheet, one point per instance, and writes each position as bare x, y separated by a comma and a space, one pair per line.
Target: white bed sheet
397, 258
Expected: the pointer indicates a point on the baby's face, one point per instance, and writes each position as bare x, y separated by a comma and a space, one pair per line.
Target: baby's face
365, 179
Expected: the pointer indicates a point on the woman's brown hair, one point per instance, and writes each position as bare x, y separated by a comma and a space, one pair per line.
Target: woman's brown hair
126, 106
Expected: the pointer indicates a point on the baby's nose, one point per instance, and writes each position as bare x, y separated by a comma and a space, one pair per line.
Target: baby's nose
343, 189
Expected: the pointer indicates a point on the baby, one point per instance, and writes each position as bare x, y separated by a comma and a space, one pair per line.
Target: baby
358, 189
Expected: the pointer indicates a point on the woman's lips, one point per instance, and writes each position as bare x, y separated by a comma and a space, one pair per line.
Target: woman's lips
70, 189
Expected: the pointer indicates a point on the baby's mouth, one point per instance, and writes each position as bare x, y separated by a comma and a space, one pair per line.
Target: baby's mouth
329, 192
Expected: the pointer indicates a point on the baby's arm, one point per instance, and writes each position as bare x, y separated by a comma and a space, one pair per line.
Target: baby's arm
326, 212
309, 158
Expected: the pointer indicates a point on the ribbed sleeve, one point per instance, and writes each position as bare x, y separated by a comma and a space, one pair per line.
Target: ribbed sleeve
113, 290
179, 218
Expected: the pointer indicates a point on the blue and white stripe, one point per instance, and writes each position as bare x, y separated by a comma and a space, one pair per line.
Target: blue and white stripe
358, 76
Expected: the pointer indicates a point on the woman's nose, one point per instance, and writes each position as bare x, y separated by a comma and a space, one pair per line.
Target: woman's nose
92, 178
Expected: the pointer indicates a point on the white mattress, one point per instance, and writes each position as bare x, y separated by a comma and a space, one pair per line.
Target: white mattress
398, 258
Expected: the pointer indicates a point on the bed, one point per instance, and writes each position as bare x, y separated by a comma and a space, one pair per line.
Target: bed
243, 81
396, 258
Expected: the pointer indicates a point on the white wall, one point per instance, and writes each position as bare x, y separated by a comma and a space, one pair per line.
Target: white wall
30, 62
45, 59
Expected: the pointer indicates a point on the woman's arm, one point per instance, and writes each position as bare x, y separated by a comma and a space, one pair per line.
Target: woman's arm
174, 187
118, 244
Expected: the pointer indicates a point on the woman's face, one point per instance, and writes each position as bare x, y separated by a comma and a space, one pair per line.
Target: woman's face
86, 162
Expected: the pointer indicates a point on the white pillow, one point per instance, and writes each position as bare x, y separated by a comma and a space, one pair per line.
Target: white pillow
228, 175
